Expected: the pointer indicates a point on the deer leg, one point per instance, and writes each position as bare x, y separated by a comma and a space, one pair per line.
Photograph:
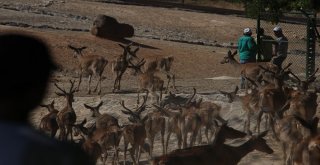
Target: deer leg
199, 136
125, 153
80, 79
179, 137
98, 84
53, 132
260, 113
89, 84
162, 139
167, 87
167, 142
193, 137
151, 145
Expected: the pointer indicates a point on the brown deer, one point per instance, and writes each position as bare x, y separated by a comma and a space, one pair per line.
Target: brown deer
307, 151
250, 70
101, 120
91, 64
163, 65
134, 133
104, 137
121, 64
249, 103
48, 122
215, 153
67, 116
148, 81
91, 147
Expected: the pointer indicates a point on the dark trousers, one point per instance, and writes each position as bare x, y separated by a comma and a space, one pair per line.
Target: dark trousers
278, 61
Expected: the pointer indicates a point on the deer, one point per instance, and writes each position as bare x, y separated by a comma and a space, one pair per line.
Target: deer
250, 70
91, 147
101, 120
163, 65
100, 140
134, 133
148, 81
249, 103
67, 116
94, 65
288, 134
307, 151
121, 64
48, 123
215, 153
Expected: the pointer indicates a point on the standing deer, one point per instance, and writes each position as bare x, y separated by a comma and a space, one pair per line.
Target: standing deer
134, 133
120, 65
163, 65
67, 116
48, 122
91, 64
250, 70
148, 81
101, 120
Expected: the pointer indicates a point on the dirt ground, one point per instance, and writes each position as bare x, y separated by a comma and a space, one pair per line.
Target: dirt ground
63, 22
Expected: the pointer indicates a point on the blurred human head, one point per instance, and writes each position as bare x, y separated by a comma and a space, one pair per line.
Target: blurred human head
247, 31
26, 65
277, 31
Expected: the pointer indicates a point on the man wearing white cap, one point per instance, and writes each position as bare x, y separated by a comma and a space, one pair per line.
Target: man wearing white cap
247, 49
281, 47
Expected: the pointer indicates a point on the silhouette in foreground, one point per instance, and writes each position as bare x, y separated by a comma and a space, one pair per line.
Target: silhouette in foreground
26, 66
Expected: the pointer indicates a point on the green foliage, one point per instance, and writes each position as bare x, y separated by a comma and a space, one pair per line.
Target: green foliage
276, 7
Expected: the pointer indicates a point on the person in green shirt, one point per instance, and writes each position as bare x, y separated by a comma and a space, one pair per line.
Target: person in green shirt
247, 49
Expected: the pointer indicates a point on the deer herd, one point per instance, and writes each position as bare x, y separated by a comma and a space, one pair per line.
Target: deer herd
286, 104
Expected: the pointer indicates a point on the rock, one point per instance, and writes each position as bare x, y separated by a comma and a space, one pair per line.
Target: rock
108, 27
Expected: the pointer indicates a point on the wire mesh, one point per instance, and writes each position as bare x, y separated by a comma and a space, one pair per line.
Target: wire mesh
294, 27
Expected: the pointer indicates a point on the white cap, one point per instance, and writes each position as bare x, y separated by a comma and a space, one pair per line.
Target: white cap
277, 29
247, 31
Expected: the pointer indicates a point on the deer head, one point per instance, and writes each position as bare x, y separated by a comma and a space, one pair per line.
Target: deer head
128, 53
134, 115
67, 95
229, 57
94, 110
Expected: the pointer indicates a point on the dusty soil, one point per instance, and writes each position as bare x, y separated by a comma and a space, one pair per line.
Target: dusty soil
209, 36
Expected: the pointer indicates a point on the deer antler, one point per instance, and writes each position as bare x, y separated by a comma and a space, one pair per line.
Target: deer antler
77, 50
72, 85
63, 91
312, 77
189, 100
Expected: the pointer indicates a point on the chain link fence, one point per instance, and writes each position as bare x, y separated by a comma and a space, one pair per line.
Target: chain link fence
294, 27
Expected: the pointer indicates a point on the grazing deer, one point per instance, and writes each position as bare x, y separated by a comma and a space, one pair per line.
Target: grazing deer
120, 65
134, 133
163, 65
215, 154
101, 120
67, 116
48, 122
91, 64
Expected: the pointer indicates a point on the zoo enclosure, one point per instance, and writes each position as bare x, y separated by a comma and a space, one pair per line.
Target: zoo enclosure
299, 28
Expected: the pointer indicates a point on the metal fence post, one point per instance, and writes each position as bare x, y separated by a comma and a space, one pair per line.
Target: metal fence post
311, 45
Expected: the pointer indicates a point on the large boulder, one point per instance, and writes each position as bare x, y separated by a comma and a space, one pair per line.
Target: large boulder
108, 27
